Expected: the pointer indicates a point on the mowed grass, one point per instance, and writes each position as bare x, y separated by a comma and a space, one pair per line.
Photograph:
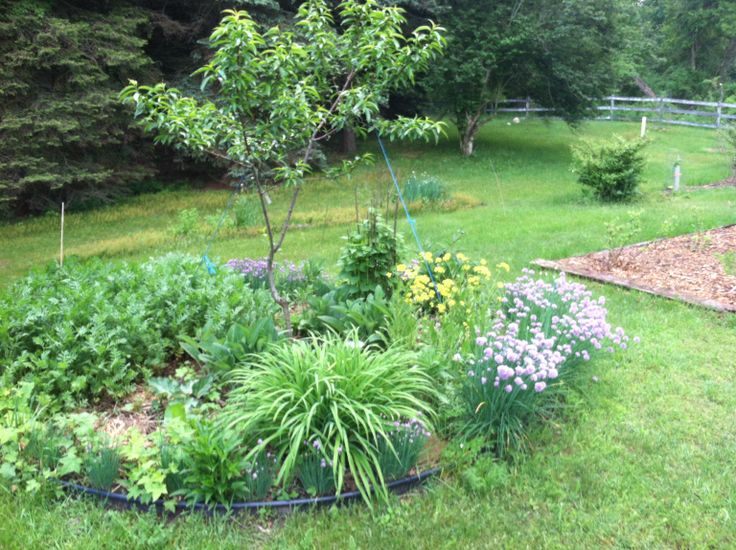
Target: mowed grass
643, 459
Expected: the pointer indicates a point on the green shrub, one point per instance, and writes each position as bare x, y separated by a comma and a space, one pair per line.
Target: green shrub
612, 170
93, 328
371, 251
424, 188
187, 223
333, 394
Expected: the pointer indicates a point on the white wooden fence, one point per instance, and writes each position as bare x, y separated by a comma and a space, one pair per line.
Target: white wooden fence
683, 112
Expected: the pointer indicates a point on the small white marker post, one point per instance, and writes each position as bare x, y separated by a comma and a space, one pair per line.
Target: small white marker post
678, 173
61, 248
643, 126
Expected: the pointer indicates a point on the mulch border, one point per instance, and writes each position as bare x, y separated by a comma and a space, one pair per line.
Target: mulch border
631, 284
723, 184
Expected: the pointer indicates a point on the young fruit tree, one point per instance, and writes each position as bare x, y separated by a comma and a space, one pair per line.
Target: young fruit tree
271, 96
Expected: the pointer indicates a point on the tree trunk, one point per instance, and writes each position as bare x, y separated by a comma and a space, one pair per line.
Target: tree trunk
644, 87
280, 300
349, 145
467, 127
467, 142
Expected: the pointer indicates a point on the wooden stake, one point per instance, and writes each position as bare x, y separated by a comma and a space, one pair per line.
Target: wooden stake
643, 126
61, 249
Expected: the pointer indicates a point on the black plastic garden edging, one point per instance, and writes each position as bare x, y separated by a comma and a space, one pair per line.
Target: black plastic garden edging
398, 487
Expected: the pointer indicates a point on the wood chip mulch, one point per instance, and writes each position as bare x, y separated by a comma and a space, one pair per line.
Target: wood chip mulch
728, 182
697, 268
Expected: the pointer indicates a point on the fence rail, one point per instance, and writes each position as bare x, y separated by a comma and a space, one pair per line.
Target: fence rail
665, 110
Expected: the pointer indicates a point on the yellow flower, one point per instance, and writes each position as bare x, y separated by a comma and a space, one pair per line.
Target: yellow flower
439, 269
428, 256
499, 284
389, 274
483, 262
504, 266
438, 260
442, 308
447, 257
401, 267
461, 257
466, 267
451, 303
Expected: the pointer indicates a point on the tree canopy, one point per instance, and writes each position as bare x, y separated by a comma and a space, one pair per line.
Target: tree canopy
560, 54
66, 138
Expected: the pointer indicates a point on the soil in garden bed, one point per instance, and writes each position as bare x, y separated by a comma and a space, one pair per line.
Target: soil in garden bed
698, 268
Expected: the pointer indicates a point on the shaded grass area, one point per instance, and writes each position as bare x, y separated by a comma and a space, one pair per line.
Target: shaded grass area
643, 459
521, 174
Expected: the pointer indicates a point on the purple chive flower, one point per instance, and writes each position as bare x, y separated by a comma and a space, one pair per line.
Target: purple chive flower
541, 328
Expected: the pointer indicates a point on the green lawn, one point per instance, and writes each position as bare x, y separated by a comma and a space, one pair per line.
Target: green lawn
644, 459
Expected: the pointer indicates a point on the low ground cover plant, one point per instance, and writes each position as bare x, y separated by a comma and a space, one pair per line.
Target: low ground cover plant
91, 329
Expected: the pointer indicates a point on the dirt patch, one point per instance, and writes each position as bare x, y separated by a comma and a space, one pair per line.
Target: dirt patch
135, 412
698, 268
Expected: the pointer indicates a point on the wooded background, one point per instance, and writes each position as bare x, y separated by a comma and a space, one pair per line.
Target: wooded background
65, 136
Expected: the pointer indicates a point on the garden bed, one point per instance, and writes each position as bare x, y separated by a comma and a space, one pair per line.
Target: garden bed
696, 268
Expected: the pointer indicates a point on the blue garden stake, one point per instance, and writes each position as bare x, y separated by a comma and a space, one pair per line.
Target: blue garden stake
211, 268
412, 222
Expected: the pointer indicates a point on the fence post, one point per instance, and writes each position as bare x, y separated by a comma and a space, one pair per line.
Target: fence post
526, 108
719, 109
661, 109
613, 101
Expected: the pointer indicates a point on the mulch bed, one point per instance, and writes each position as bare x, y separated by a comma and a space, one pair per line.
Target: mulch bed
690, 268
728, 182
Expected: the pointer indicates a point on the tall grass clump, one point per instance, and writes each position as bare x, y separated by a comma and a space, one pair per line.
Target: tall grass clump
330, 395
424, 188
544, 329
103, 468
